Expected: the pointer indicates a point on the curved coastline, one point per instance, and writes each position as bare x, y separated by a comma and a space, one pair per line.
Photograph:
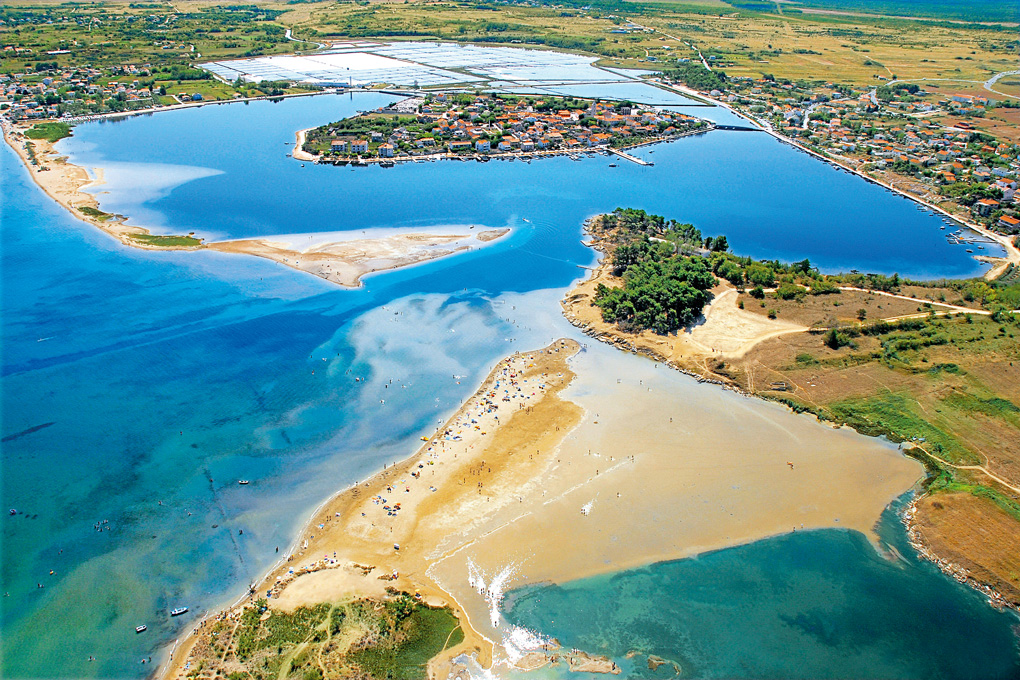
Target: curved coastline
999, 265
343, 261
322, 510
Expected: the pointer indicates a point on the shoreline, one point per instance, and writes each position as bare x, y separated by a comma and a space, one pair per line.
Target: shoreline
956, 572
998, 265
388, 563
607, 333
64, 182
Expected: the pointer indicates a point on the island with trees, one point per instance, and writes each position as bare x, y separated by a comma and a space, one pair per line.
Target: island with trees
482, 126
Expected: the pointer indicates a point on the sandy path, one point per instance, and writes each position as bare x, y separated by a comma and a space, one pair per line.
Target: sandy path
731, 332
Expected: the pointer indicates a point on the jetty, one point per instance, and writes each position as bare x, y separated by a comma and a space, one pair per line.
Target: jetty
627, 156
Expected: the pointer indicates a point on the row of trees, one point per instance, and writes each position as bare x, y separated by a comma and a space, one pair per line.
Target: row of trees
696, 76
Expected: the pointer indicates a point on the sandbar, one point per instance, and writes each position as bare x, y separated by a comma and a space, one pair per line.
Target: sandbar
594, 461
347, 260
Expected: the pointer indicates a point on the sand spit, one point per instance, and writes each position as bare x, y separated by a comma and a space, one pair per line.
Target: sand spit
346, 262
343, 262
381, 531
623, 464
65, 183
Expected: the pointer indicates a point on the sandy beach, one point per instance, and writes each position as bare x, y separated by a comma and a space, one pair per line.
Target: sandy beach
345, 262
65, 183
299, 142
559, 468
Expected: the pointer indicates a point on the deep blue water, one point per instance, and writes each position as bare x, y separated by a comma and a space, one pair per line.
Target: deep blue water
138, 387
811, 605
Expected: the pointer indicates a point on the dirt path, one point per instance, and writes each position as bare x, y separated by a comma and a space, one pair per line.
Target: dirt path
981, 468
958, 308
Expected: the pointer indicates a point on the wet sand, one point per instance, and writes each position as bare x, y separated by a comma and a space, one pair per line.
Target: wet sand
662, 468
345, 262
631, 464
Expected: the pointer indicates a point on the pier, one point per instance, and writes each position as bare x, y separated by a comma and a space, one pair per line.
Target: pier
632, 159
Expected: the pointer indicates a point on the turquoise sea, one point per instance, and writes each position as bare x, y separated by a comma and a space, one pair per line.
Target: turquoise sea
810, 605
138, 387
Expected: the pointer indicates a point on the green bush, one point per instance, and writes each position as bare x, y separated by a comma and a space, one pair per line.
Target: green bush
790, 291
834, 339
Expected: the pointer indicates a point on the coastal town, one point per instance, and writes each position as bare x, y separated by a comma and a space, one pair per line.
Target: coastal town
925, 140
480, 126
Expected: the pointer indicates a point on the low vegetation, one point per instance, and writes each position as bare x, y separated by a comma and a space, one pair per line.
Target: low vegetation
51, 132
942, 385
393, 638
171, 241
94, 213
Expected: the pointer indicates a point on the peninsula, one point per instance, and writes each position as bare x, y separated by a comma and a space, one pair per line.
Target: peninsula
552, 471
927, 364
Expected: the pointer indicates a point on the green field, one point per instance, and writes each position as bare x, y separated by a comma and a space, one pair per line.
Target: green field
51, 132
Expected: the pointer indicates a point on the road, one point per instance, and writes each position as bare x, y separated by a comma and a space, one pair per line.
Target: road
289, 35
987, 84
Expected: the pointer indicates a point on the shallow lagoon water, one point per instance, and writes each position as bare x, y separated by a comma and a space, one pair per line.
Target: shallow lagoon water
817, 604
768, 199
157, 380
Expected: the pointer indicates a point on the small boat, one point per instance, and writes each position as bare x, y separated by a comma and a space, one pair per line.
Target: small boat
387, 164
612, 165
243, 482
969, 250
141, 629
178, 611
